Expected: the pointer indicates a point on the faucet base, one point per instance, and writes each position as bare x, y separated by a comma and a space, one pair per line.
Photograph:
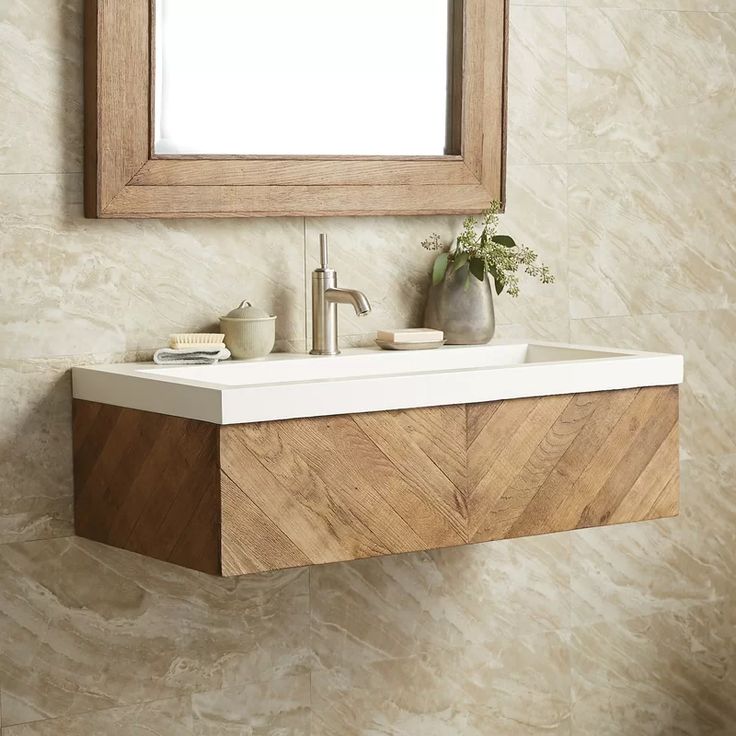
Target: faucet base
324, 352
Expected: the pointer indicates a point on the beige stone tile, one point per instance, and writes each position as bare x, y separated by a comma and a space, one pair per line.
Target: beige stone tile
72, 286
669, 673
35, 450
86, 627
41, 86
708, 401
547, 331
648, 238
650, 85
517, 688
536, 215
462, 599
277, 708
541, 3
537, 115
160, 718
669, 565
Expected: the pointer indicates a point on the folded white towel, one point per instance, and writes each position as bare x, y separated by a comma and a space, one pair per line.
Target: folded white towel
186, 356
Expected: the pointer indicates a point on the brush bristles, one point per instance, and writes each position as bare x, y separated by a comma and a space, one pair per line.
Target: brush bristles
196, 341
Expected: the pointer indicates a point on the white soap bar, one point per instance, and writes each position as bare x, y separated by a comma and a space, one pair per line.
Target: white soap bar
411, 334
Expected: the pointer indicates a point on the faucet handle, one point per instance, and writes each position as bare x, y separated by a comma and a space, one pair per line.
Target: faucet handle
323, 252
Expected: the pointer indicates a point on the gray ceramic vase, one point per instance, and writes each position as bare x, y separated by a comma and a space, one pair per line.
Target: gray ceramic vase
463, 312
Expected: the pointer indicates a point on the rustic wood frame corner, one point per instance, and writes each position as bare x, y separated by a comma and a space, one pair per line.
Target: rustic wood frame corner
124, 179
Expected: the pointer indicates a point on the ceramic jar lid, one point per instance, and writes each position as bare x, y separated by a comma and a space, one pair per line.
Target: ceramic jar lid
247, 311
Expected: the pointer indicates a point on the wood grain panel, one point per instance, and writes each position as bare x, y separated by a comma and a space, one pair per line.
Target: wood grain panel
148, 483
249, 498
599, 458
117, 95
339, 487
239, 172
124, 178
298, 201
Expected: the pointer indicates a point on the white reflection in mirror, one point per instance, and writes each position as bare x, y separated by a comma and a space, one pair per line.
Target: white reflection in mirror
302, 77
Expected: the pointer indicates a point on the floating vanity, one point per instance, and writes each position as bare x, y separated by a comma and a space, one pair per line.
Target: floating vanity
297, 460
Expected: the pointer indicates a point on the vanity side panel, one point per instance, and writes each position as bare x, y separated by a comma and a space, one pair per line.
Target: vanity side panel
552, 464
327, 489
148, 483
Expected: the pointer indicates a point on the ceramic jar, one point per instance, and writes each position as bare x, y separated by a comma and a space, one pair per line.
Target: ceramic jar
462, 307
249, 332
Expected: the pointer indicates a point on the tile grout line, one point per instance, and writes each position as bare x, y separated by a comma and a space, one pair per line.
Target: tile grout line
85, 713
41, 173
305, 289
568, 259
637, 315
568, 265
184, 695
310, 719
629, 9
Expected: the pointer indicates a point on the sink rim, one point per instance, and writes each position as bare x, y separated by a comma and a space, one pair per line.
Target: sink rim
149, 371
150, 388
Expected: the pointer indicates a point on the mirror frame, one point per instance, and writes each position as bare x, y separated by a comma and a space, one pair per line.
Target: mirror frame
124, 179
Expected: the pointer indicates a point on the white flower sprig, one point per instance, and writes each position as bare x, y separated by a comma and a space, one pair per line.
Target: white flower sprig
482, 251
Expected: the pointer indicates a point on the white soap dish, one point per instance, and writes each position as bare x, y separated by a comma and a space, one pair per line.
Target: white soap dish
389, 345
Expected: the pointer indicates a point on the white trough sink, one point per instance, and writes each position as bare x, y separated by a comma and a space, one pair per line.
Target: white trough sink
286, 386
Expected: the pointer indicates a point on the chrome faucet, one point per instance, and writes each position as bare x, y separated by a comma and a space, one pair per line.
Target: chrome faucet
325, 298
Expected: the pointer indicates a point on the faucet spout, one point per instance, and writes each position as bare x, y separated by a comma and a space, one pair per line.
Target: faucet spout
326, 295
358, 299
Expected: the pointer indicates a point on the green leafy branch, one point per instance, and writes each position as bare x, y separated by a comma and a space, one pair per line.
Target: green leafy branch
483, 251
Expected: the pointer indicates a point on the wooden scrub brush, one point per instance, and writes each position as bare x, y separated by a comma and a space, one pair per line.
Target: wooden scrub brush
197, 341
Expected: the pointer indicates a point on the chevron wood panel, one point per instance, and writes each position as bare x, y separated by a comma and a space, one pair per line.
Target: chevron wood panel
254, 497
344, 487
573, 461
148, 483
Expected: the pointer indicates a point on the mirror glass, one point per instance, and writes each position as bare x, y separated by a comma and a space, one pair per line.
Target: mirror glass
305, 77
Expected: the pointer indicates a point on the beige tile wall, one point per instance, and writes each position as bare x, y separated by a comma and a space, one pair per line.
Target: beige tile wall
623, 175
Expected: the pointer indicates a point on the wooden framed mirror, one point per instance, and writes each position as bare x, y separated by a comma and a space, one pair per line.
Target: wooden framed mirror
241, 108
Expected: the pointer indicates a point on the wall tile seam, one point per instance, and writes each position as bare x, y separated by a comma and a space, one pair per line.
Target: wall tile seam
46, 358
652, 161
712, 164
636, 315
684, 608
537, 164
41, 173
83, 713
185, 694
568, 260
700, 457
649, 9
6, 727
305, 284
551, 322
312, 652
36, 540
629, 8
73, 357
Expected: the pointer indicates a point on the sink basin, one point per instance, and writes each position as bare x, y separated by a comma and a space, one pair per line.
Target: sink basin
286, 386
